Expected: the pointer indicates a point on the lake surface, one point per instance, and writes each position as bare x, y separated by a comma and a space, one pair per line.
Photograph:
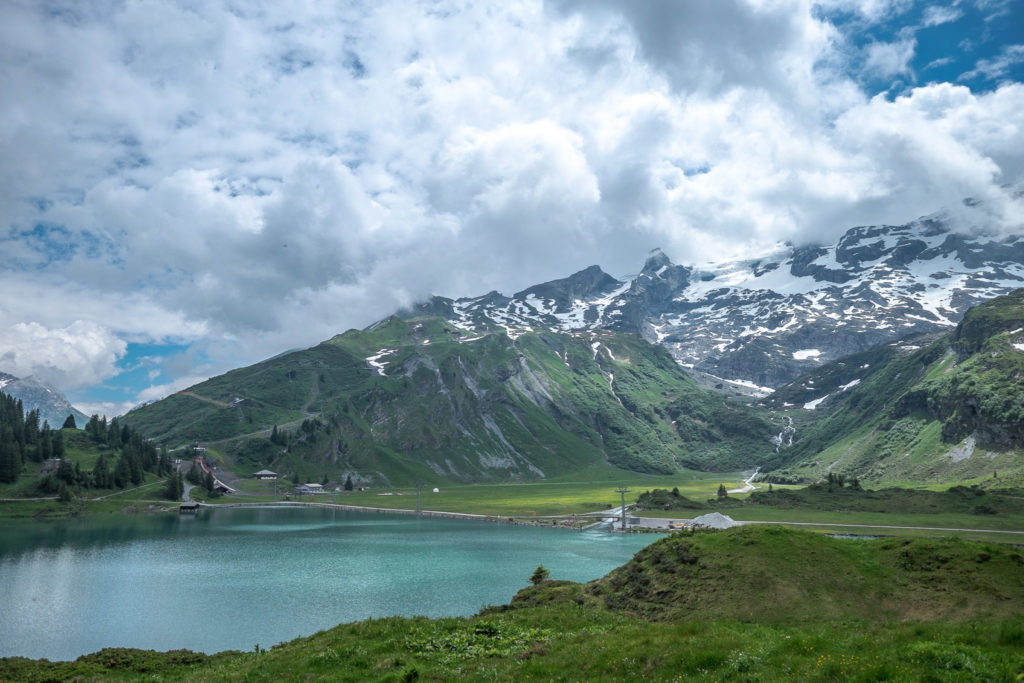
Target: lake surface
233, 578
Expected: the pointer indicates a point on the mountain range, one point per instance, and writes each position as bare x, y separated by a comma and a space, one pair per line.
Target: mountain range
864, 358
762, 322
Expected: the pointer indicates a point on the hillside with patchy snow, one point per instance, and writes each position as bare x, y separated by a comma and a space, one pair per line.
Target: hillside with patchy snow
940, 407
423, 399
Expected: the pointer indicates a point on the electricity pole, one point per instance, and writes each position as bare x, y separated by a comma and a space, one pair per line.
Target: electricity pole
622, 492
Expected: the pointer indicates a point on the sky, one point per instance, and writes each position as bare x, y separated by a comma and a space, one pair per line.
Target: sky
192, 186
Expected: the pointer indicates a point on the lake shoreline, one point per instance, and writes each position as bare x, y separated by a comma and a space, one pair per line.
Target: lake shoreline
574, 523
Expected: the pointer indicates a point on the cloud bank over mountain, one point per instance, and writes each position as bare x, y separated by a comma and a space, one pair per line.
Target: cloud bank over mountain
241, 178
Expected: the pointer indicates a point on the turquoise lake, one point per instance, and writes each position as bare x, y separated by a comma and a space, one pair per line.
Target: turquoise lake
233, 578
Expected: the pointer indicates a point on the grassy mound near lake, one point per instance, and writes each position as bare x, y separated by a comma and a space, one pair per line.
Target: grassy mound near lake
770, 574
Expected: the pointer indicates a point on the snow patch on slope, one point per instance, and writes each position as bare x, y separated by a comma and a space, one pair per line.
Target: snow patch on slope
811, 405
374, 360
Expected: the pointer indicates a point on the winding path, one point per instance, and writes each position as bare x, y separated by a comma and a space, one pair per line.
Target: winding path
214, 401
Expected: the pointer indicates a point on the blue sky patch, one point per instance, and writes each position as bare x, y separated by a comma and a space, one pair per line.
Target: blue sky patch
143, 365
970, 43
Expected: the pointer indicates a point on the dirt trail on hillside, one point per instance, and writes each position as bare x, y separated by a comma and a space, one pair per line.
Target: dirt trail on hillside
214, 401
314, 393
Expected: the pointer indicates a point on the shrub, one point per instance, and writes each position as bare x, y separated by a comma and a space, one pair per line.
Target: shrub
540, 575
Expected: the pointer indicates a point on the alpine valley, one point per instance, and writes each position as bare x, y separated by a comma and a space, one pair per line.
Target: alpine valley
852, 358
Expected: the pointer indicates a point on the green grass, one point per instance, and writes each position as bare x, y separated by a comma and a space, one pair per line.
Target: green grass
939, 519
870, 530
147, 496
557, 644
540, 498
590, 490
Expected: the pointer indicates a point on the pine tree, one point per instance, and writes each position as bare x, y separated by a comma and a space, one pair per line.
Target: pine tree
113, 434
722, 492
100, 473
122, 472
278, 437
92, 428
348, 483
10, 456
131, 454
163, 462
173, 488
44, 447
69, 423
195, 475
32, 427
540, 575
65, 472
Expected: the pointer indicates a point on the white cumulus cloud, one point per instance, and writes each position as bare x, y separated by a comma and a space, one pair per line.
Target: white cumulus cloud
251, 176
82, 353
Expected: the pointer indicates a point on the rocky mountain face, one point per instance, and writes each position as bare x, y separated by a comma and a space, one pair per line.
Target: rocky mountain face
53, 406
763, 322
939, 407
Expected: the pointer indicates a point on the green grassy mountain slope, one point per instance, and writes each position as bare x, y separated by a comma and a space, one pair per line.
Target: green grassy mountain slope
420, 398
931, 409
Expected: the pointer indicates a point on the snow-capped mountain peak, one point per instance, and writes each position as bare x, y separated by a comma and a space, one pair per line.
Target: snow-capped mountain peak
757, 320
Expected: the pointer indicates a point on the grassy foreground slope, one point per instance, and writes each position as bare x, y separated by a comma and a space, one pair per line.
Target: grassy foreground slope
940, 409
744, 604
421, 399
778, 575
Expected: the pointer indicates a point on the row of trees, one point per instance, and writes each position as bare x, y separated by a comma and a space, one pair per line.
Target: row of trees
838, 481
125, 457
23, 439
129, 467
306, 431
